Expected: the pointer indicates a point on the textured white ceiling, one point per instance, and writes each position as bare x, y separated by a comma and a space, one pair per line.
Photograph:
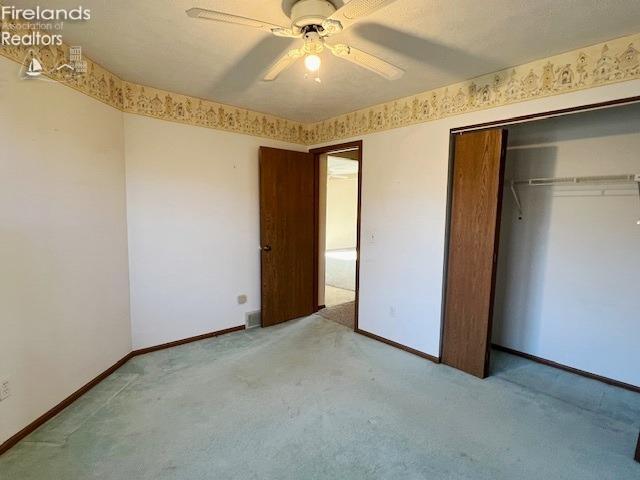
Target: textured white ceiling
437, 42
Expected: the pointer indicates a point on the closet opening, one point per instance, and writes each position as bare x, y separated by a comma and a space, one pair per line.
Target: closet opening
543, 253
553, 264
567, 272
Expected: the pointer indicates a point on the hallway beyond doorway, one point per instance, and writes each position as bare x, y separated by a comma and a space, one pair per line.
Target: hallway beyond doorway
339, 197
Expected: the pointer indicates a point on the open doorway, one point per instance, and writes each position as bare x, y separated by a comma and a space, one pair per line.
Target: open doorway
338, 219
294, 244
339, 213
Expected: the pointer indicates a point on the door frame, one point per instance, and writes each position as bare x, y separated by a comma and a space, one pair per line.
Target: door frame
317, 152
504, 123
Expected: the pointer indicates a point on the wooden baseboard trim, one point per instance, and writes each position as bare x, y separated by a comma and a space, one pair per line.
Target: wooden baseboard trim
204, 336
566, 368
10, 442
397, 345
7, 444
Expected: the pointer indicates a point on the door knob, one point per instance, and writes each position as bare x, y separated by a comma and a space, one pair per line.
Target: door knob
266, 248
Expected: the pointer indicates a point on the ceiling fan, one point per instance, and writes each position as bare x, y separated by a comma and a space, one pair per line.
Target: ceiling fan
314, 21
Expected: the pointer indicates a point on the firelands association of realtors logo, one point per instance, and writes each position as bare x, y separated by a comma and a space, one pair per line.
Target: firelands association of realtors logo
41, 27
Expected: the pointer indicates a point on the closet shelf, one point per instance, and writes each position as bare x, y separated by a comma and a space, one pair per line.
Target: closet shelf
601, 180
630, 178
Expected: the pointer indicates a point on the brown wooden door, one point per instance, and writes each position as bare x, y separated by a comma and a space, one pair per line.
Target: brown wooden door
287, 235
476, 200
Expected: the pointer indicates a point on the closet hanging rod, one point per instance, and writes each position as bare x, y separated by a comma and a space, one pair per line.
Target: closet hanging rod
597, 179
566, 181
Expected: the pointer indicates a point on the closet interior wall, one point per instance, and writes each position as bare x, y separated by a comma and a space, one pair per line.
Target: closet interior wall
568, 282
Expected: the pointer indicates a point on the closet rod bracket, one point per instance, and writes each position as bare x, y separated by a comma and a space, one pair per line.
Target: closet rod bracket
516, 198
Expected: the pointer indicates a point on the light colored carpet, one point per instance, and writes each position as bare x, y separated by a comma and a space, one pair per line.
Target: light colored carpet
344, 314
311, 399
337, 296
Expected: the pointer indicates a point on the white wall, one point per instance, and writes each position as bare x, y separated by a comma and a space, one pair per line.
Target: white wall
403, 216
568, 281
64, 286
341, 212
193, 214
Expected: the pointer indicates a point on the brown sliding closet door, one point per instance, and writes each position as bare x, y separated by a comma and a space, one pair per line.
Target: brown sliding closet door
287, 235
476, 197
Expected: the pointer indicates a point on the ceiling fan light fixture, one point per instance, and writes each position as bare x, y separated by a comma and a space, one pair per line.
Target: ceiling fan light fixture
314, 21
312, 62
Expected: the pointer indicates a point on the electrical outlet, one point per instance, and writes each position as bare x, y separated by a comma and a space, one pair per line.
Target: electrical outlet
242, 299
5, 391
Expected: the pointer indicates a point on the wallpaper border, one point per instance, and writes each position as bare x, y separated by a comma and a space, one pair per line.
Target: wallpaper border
605, 63
101, 84
610, 62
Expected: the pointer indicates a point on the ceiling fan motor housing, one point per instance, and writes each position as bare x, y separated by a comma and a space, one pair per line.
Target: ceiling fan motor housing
310, 12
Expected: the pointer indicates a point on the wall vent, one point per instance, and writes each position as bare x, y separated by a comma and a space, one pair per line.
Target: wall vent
252, 319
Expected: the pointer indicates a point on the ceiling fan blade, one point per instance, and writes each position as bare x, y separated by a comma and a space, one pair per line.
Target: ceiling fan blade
368, 61
283, 63
286, 32
228, 18
355, 10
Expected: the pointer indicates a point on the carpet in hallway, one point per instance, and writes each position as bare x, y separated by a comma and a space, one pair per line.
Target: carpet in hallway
344, 314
